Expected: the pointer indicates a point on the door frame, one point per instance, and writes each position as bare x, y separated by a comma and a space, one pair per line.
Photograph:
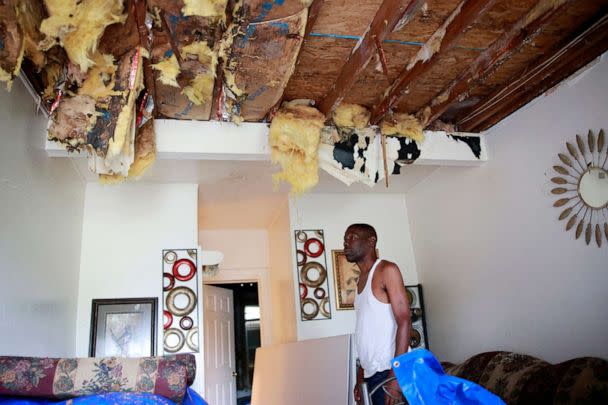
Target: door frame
233, 276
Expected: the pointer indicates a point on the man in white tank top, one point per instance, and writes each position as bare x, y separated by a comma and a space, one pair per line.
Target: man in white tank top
383, 314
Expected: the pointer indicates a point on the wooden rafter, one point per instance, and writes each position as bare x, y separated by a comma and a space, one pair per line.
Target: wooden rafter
545, 72
524, 30
390, 14
467, 12
313, 14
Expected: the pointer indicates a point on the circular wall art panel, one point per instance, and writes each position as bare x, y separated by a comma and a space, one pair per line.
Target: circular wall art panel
192, 339
186, 323
176, 293
174, 340
314, 247
310, 308
179, 265
310, 267
170, 256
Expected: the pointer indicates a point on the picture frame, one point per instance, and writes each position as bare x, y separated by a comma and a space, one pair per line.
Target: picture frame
123, 327
346, 275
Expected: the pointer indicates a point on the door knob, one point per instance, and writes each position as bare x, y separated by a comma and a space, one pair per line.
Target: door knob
234, 374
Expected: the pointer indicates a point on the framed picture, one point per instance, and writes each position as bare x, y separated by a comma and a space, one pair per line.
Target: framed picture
346, 275
124, 327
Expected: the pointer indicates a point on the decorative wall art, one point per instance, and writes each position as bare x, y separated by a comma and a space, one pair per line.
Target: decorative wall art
583, 187
312, 275
123, 327
418, 336
180, 298
346, 276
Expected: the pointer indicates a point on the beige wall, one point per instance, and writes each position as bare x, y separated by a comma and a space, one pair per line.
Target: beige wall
281, 278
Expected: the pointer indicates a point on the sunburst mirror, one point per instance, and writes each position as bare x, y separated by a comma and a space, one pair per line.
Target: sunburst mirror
582, 187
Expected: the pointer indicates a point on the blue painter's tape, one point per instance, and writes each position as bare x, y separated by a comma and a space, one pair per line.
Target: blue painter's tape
256, 93
282, 26
387, 41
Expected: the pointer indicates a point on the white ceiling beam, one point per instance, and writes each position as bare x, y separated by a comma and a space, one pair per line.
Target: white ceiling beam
214, 140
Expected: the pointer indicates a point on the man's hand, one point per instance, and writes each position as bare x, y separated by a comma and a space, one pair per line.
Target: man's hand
396, 397
357, 393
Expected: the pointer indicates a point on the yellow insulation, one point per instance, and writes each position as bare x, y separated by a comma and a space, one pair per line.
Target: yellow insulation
169, 69
205, 8
101, 79
125, 117
145, 150
294, 138
351, 116
400, 124
79, 25
9, 76
200, 89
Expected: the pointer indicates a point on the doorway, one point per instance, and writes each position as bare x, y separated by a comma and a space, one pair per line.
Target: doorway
234, 329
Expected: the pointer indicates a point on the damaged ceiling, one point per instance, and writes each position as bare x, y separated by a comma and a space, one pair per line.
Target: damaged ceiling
105, 68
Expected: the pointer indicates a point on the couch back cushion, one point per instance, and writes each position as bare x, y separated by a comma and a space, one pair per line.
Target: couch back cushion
584, 381
70, 377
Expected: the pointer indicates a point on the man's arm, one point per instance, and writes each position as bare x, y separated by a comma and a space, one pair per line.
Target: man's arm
397, 296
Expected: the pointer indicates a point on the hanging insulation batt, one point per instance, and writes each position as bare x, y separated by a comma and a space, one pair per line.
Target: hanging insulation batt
294, 138
13, 44
79, 25
351, 116
400, 124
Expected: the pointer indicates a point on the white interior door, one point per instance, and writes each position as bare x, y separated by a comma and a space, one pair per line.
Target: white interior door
220, 364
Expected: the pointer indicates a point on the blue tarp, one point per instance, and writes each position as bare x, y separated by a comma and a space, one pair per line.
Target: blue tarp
424, 382
111, 398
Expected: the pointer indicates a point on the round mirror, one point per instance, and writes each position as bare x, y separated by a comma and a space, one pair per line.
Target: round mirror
582, 187
593, 187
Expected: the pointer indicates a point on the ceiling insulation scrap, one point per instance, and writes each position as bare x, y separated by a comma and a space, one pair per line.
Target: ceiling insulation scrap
100, 117
200, 89
168, 69
351, 116
78, 26
401, 124
205, 8
145, 155
12, 44
294, 138
29, 16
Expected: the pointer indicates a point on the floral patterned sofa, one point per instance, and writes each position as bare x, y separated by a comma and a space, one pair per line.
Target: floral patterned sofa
523, 379
63, 378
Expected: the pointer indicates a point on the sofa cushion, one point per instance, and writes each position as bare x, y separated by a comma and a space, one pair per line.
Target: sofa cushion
584, 381
472, 368
70, 377
507, 374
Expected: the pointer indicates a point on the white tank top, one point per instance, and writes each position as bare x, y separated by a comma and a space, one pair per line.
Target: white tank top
375, 331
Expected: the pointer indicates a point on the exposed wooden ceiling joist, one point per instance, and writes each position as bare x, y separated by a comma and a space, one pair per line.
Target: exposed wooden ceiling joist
465, 14
545, 72
523, 31
390, 14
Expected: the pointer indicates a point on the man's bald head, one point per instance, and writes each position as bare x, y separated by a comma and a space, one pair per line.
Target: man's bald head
359, 242
365, 230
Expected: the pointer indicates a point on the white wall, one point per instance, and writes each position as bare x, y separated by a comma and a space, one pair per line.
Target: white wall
334, 213
245, 259
498, 270
125, 229
41, 208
